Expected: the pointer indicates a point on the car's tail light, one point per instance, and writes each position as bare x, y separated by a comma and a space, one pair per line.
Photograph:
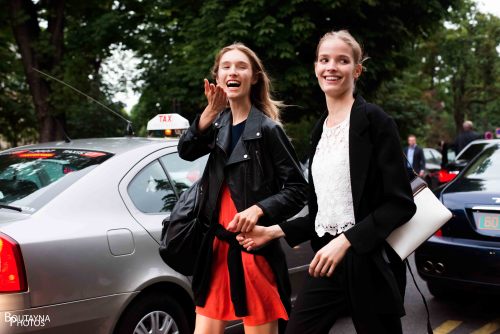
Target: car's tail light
438, 233
446, 176
12, 275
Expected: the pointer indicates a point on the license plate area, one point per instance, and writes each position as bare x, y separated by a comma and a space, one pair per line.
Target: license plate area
487, 222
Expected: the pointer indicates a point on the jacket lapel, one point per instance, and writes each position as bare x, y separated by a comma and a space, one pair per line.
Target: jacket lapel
315, 137
223, 125
360, 149
253, 130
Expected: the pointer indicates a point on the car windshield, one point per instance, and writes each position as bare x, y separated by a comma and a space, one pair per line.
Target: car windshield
27, 174
470, 152
487, 165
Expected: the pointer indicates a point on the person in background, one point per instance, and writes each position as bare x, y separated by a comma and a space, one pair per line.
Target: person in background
465, 137
416, 158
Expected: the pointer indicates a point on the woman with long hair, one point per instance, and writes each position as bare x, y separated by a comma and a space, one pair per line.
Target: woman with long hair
253, 179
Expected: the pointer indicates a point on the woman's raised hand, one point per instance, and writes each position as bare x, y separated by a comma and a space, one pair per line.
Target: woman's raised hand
217, 101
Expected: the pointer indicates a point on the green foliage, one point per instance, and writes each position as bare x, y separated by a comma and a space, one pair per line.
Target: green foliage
452, 77
423, 74
90, 28
184, 36
17, 116
299, 134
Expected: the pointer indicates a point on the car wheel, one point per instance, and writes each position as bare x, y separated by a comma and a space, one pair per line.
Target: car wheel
154, 313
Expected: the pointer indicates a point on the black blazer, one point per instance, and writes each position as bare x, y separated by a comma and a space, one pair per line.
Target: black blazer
418, 159
382, 200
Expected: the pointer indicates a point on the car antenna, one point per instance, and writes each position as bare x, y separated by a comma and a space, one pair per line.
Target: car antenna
129, 131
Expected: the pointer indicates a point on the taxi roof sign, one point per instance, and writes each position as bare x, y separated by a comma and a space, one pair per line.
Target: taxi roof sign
167, 121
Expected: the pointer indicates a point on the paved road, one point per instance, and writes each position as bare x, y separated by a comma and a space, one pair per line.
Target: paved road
462, 315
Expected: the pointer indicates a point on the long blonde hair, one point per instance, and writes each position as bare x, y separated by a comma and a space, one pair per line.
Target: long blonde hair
260, 93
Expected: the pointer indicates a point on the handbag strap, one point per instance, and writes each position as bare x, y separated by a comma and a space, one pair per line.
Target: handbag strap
429, 327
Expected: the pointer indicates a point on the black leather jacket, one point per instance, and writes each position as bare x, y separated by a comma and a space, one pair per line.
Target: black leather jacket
262, 169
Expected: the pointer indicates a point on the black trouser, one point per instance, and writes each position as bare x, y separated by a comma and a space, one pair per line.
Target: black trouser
323, 300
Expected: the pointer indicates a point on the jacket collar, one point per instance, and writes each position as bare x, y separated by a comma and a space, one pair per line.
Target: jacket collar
357, 122
253, 130
222, 125
253, 127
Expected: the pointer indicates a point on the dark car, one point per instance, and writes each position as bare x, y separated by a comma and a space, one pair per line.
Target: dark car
465, 252
451, 167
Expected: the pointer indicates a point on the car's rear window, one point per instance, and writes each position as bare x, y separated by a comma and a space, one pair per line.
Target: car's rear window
486, 166
27, 175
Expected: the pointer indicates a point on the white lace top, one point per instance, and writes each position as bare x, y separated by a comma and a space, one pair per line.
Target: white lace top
332, 181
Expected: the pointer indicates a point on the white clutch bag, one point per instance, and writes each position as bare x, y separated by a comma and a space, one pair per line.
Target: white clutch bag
431, 214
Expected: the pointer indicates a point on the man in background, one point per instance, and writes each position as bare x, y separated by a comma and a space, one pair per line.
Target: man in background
415, 157
465, 137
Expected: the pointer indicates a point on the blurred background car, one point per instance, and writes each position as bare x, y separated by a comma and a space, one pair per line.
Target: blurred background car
451, 166
80, 226
433, 160
468, 153
465, 252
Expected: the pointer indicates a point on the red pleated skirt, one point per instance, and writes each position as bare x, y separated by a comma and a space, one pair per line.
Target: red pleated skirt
263, 300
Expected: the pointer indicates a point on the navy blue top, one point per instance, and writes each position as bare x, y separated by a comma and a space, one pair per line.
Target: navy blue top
236, 131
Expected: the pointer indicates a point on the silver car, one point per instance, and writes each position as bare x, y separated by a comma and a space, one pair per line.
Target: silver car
80, 226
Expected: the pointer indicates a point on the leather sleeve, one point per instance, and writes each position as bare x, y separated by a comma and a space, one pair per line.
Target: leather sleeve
292, 195
194, 144
302, 229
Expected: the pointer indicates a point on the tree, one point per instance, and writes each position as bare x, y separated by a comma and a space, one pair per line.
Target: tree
182, 40
17, 116
452, 77
41, 49
469, 64
69, 40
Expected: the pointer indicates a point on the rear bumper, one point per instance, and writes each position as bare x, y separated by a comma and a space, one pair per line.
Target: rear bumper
460, 262
96, 315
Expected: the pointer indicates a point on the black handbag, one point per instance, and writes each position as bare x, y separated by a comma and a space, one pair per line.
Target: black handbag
184, 230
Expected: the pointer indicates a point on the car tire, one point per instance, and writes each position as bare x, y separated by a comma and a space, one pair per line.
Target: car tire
151, 313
